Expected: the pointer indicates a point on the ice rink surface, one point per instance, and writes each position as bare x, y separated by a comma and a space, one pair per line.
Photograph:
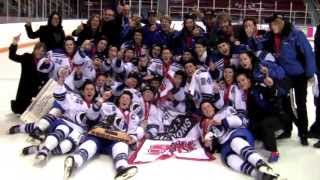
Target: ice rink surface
296, 162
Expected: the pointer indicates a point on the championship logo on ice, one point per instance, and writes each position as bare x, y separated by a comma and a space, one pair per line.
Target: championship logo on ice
179, 146
152, 150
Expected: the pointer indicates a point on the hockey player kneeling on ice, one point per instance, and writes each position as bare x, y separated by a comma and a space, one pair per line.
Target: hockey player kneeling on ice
126, 121
237, 143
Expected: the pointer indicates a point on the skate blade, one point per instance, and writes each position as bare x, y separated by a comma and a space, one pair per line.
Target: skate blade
68, 164
33, 141
40, 161
129, 174
269, 171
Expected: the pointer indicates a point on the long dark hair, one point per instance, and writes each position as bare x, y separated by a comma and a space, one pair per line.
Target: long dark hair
50, 18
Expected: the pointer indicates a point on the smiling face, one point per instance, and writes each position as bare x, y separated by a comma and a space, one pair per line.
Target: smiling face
156, 51
187, 56
101, 80
228, 75
102, 45
166, 56
250, 28
124, 101
244, 82
190, 69
128, 55
113, 52
89, 92
108, 15
39, 52
224, 48
207, 110
245, 61
70, 47
165, 25
148, 96
95, 22
137, 37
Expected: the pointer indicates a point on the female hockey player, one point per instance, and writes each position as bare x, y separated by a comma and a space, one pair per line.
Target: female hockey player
265, 110
125, 120
237, 143
70, 126
58, 58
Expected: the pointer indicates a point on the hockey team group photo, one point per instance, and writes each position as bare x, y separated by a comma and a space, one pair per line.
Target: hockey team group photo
143, 82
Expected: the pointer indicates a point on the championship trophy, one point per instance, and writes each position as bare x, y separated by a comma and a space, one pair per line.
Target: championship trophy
107, 130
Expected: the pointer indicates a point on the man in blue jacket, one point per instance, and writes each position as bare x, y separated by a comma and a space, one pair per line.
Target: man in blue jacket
294, 53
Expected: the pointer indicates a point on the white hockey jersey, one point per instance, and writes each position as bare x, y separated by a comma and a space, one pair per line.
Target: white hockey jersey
151, 118
201, 88
231, 120
126, 121
178, 104
235, 97
57, 59
73, 106
157, 67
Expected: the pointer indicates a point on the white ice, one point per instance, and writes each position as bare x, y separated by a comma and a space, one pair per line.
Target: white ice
296, 162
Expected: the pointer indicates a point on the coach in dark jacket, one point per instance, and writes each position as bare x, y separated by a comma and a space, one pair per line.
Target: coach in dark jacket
52, 34
294, 53
31, 80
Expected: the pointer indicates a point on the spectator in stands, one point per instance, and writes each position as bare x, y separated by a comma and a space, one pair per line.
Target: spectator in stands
294, 53
31, 80
52, 34
91, 30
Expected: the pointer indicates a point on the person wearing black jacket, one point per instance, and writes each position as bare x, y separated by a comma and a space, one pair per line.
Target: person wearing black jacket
52, 34
31, 80
91, 30
264, 110
111, 26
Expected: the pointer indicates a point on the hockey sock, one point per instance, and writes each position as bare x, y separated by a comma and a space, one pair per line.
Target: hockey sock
245, 150
120, 155
238, 164
85, 152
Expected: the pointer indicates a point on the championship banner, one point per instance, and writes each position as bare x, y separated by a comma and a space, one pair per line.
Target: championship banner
180, 127
41, 104
152, 150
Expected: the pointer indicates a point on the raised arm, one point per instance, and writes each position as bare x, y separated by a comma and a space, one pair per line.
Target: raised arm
13, 50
